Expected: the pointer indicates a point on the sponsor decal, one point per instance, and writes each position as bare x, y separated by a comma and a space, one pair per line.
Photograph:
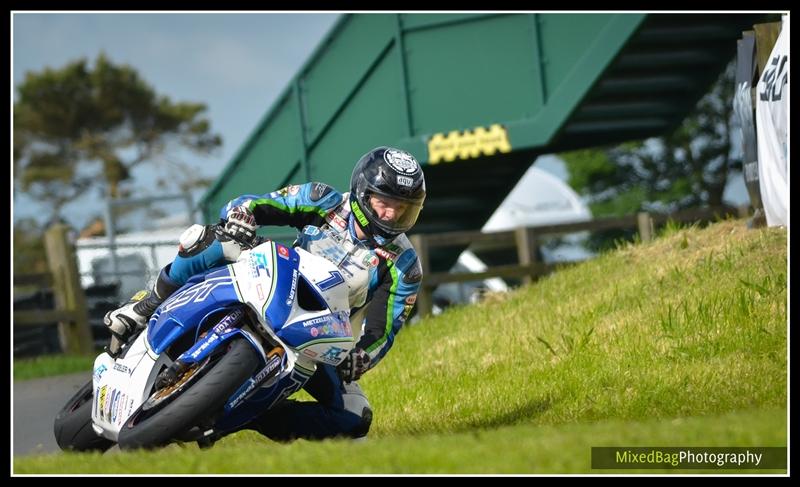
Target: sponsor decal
385, 254
98, 372
112, 412
315, 321
401, 161
283, 191
411, 299
260, 291
405, 181
238, 399
311, 230
318, 190
359, 214
252, 268
294, 189
370, 260
334, 329
120, 406
331, 355
122, 368
261, 263
414, 274
468, 144
282, 251
293, 289
309, 353
101, 403
228, 321
274, 362
109, 400
336, 221
207, 343
262, 374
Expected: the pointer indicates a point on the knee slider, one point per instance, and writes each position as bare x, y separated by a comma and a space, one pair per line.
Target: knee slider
356, 403
194, 240
363, 426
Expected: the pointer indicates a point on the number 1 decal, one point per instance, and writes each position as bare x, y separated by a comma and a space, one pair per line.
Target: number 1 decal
335, 279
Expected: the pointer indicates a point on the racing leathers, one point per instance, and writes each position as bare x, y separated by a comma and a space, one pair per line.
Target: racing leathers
382, 280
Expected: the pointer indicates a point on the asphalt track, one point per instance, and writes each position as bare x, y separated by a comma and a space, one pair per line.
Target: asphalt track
36, 403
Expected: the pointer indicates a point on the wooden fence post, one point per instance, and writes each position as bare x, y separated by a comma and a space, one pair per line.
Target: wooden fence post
74, 335
425, 295
526, 249
645, 226
743, 211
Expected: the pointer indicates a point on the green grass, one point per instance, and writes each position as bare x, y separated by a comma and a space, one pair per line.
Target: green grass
51, 365
522, 449
679, 341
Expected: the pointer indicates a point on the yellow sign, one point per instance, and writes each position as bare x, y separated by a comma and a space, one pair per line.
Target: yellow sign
468, 145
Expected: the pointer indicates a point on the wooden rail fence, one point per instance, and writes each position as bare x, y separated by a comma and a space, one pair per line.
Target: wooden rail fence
525, 239
70, 301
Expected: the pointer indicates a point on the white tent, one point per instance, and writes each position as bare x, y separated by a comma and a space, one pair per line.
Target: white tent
538, 199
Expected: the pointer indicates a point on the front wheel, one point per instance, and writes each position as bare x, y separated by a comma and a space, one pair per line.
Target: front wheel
73, 424
199, 393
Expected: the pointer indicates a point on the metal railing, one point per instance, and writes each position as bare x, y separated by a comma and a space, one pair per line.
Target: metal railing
112, 247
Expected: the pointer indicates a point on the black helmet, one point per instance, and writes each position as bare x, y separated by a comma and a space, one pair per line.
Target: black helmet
392, 173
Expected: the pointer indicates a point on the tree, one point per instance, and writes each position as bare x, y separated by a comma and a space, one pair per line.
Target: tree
688, 168
29, 252
76, 128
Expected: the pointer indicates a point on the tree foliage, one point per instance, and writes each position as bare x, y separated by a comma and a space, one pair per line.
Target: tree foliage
688, 168
77, 128
29, 252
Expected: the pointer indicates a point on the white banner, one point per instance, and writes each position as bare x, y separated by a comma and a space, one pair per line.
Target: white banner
772, 128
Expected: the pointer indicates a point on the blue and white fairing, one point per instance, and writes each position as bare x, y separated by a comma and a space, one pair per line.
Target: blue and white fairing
267, 279
271, 281
301, 301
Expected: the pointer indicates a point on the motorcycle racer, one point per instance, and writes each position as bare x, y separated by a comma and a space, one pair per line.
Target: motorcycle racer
363, 232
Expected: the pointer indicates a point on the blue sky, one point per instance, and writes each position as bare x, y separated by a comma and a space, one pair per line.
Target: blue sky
235, 63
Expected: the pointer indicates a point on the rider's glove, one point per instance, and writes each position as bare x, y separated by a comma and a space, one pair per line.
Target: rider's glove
354, 365
241, 224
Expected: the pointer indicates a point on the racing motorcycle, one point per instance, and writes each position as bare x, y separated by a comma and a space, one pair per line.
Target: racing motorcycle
221, 350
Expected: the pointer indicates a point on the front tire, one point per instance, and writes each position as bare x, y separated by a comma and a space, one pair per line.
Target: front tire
73, 424
156, 426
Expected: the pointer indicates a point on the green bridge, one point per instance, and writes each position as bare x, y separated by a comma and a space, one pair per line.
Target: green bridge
476, 98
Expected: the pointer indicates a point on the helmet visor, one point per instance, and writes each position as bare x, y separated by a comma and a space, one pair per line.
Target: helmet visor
392, 214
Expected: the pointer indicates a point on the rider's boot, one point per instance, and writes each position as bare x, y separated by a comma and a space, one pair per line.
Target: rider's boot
133, 315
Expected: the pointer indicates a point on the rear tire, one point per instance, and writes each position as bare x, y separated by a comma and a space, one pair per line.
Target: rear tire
73, 424
149, 428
